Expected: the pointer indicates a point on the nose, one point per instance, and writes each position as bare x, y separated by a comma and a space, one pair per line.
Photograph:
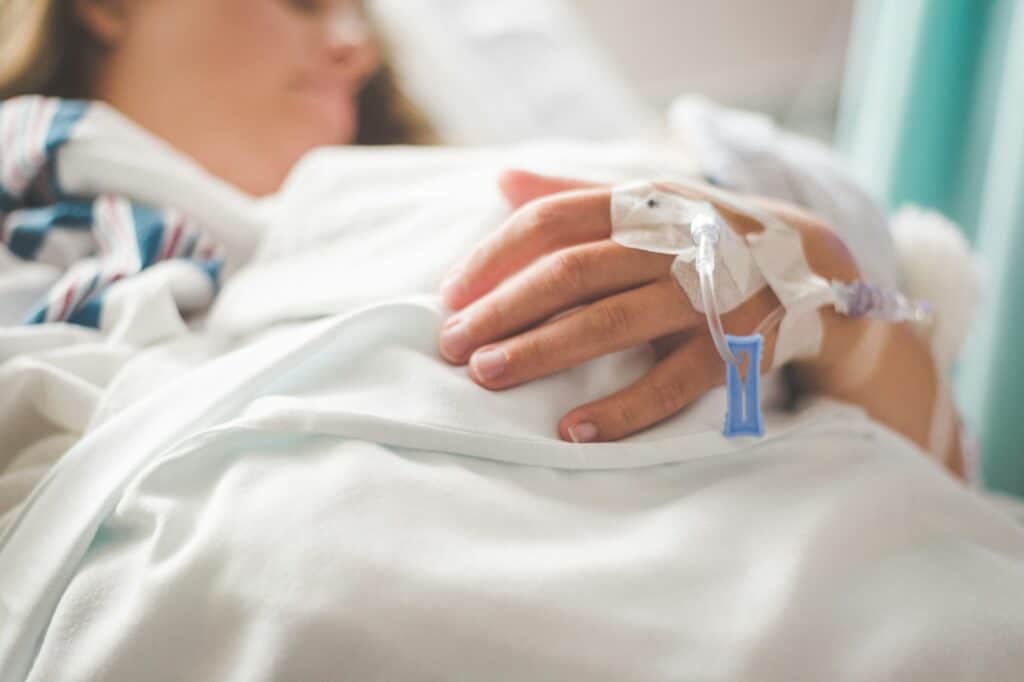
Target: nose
349, 40
347, 28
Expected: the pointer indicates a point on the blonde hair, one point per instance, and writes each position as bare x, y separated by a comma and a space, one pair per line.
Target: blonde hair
36, 43
43, 52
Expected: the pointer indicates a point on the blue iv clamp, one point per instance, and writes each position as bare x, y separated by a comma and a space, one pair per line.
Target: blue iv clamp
743, 416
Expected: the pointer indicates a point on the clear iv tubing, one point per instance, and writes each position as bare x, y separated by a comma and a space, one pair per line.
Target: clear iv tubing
856, 299
705, 230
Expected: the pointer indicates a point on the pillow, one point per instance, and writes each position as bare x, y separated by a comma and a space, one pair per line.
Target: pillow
490, 73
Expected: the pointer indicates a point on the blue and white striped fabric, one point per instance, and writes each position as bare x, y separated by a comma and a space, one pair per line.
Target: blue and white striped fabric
97, 240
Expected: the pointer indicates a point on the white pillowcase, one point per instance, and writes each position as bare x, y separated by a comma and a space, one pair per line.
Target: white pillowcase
490, 72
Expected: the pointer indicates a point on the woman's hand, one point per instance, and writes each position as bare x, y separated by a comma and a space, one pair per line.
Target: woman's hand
551, 290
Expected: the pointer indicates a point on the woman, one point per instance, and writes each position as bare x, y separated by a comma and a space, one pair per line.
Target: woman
291, 74
247, 87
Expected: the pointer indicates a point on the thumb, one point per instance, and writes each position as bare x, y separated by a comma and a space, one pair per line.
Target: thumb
521, 187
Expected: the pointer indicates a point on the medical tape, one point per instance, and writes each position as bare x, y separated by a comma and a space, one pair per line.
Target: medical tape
655, 216
664, 217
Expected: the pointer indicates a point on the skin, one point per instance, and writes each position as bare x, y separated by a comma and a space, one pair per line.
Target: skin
551, 290
245, 87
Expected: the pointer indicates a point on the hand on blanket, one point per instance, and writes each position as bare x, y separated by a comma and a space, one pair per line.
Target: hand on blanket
551, 290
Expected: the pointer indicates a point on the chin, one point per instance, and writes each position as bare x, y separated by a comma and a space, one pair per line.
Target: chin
309, 139
329, 121
324, 136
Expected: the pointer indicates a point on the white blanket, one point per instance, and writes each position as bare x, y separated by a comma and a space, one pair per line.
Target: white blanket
333, 501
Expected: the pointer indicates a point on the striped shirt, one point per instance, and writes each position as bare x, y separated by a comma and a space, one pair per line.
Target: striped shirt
97, 240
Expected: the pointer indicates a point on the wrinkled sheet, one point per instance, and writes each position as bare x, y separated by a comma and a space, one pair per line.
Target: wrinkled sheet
329, 499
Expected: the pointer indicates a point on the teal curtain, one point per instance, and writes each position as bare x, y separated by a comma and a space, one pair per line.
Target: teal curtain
933, 114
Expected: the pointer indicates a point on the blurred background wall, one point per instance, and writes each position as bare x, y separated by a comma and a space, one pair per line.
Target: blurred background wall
784, 57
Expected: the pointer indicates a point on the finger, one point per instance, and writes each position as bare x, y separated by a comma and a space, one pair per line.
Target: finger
671, 385
521, 187
551, 285
609, 325
538, 228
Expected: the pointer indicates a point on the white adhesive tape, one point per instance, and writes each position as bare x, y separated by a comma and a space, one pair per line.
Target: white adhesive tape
652, 217
655, 216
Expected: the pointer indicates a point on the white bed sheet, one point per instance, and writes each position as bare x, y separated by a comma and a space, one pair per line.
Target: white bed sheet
333, 500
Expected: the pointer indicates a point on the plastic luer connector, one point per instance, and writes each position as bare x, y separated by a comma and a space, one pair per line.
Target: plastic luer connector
744, 416
705, 231
861, 299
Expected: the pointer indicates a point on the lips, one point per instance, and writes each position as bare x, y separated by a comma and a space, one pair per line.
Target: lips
330, 101
336, 93
324, 85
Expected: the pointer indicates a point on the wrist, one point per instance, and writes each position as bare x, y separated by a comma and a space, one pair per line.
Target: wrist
852, 353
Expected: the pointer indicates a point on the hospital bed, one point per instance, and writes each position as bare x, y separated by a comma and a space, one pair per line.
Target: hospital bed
304, 490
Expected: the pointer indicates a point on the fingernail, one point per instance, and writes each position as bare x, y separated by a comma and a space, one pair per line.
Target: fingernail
584, 432
455, 342
489, 363
451, 322
451, 283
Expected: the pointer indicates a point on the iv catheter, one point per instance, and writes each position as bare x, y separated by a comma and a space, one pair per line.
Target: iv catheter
718, 269
744, 415
705, 230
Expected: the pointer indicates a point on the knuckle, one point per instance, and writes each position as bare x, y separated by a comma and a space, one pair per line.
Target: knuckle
544, 211
627, 416
609, 320
668, 397
827, 253
826, 240
526, 352
538, 218
488, 319
485, 323
569, 270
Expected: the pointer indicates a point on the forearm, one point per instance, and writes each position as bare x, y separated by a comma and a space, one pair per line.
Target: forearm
888, 370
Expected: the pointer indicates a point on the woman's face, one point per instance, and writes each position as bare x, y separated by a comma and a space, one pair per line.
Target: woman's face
244, 86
